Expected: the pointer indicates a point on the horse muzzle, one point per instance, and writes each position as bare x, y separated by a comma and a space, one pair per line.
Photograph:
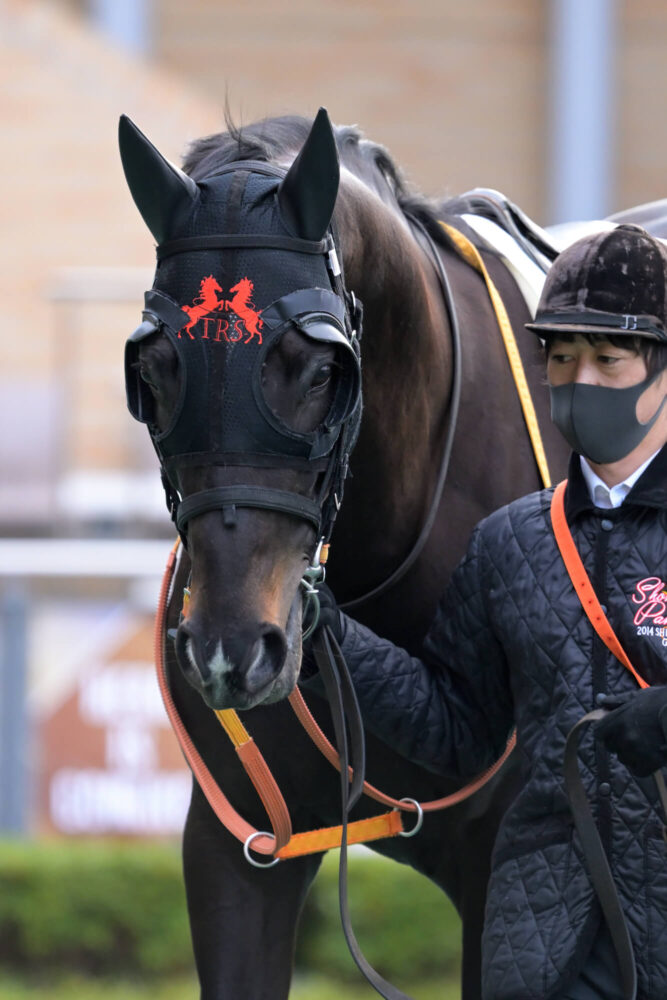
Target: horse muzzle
254, 665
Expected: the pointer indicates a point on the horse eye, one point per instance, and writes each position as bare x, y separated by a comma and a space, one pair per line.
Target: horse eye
321, 378
146, 377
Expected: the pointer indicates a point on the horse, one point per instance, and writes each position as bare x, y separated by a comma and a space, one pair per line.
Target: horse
204, 304
241, 304
296, 185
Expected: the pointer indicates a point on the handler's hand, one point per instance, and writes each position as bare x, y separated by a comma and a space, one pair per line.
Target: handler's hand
637, 731
329, 613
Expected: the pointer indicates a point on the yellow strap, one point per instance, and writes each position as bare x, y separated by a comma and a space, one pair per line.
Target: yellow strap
386, 825
233, 726
470, 254
313, 841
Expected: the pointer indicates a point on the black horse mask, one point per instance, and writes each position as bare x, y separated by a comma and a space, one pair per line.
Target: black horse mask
244, 255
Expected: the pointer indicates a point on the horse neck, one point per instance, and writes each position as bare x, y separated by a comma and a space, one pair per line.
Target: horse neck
406, 361
407, 365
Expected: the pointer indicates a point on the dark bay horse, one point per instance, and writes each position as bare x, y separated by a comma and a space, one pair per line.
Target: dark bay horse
240, 643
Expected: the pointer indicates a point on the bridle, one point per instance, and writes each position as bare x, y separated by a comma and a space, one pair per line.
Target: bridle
332, 315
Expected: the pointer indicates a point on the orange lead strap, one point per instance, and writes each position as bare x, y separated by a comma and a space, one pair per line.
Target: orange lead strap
582, 584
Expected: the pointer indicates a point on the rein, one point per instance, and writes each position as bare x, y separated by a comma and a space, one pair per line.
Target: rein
455, 399
280, 842
468, 252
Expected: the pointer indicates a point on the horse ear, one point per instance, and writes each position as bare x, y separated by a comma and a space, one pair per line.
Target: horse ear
307, 194
162, 193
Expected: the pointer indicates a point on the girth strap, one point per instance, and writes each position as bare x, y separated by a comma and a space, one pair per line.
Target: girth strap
229, 497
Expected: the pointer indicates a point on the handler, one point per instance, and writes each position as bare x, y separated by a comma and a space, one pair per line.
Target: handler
511, 645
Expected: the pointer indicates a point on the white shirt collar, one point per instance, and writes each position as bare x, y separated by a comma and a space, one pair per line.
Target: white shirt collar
602, 495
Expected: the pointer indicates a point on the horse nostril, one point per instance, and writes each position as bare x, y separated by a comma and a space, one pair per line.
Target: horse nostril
265, 658
188, 653
275, 646
248, 661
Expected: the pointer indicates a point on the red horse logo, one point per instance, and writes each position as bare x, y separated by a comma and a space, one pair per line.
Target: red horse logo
207, 302
204, 303
243, 307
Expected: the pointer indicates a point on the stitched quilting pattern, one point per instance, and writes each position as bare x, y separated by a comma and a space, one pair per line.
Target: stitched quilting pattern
511, 643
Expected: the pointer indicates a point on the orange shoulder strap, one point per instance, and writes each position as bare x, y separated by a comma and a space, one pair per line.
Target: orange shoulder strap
582, 584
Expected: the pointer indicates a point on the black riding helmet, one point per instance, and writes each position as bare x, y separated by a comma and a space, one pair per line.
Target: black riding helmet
610, 285
614, 282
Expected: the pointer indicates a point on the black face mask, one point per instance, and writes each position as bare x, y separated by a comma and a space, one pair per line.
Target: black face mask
245, 255
601, 423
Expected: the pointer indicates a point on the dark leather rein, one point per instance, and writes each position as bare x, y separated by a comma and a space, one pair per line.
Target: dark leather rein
338, 685
454, 404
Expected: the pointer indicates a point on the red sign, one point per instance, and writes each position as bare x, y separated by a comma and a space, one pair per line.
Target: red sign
110, 763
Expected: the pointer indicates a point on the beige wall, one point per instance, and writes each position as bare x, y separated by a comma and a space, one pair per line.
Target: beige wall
641, 137
65, 207
453, 89
456, 90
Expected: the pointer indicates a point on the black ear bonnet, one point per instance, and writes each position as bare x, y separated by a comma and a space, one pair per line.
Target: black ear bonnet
231, 278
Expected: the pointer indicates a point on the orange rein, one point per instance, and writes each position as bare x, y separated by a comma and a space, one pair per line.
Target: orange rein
281, 843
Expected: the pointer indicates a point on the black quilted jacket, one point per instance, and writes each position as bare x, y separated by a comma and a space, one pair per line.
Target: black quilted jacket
511, 646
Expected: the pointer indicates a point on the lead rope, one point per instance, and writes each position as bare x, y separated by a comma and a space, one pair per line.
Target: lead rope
596, 859
340, 690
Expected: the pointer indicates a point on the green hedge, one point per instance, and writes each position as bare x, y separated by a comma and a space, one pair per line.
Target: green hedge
103, 907
403, 923
93, 906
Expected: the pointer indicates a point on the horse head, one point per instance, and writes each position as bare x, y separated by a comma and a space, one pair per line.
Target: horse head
209, 286
244, 287
253, 436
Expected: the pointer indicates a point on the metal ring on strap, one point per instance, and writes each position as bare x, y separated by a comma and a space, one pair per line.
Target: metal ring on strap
253, 861
420, 818
228, 497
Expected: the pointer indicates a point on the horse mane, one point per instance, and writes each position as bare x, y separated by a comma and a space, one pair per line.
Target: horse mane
279, 139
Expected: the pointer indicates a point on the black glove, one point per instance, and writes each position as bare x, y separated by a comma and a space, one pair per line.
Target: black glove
330, 616
329, 613
637, 731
